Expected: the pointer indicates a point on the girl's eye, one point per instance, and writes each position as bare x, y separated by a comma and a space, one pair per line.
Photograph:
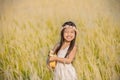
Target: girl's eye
69, 31
72, 31
66, 31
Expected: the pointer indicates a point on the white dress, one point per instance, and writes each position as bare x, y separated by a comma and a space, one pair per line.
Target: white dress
64, 71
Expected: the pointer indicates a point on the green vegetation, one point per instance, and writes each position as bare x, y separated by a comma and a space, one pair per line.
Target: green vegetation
26, 40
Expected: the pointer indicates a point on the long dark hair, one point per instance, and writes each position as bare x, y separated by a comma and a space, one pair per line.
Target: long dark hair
70, 23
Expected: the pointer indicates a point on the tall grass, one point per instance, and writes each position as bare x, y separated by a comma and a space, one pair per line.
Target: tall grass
25, 40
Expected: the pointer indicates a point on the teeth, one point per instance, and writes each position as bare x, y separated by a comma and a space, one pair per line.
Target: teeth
68, 37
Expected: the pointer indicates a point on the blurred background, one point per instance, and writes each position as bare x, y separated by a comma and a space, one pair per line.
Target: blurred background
30, 28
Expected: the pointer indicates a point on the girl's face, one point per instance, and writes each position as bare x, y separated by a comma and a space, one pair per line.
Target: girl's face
69, 34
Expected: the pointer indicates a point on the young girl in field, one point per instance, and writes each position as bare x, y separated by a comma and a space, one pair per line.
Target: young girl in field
65, 51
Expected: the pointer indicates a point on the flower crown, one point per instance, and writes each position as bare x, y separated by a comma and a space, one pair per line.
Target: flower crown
67, 26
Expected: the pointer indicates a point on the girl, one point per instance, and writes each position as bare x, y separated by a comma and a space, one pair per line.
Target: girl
65, 51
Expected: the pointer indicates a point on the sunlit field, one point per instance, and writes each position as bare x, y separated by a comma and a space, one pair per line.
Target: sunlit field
30, 28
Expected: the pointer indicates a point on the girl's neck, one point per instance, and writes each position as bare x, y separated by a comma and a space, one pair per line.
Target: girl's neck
66, 43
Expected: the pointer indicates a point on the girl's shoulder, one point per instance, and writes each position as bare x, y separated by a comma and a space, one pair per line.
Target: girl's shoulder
56, 46
75, 46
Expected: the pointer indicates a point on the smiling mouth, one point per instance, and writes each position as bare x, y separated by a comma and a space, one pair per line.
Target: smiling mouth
69, 37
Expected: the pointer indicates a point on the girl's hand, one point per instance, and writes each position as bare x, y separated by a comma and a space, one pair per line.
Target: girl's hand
53, 58
47, 62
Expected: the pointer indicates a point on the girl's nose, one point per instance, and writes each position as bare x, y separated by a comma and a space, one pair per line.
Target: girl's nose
69, 33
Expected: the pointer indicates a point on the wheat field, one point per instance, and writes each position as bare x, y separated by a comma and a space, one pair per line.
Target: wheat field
30, 28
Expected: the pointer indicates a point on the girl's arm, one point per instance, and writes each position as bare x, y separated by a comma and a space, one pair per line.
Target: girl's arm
66, 60
55, 47
53, 50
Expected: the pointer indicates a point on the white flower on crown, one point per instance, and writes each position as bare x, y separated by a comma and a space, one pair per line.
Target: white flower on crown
67, 26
